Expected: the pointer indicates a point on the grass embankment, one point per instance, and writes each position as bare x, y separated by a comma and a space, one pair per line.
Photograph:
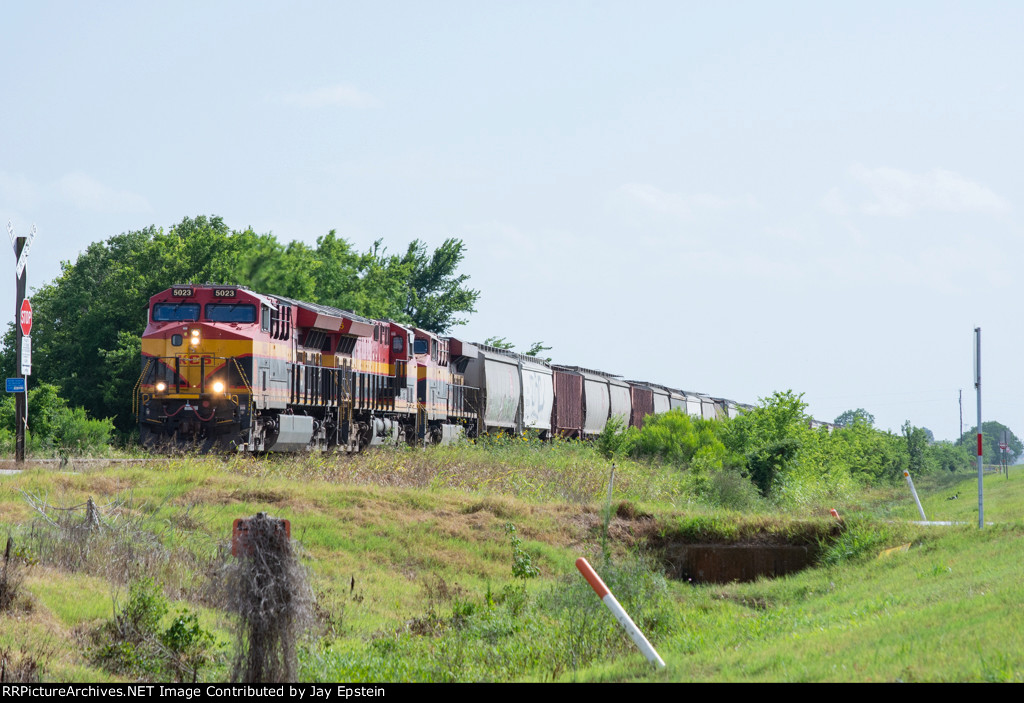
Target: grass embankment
420, 577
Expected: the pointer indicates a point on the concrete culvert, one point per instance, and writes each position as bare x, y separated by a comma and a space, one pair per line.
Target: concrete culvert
745, 554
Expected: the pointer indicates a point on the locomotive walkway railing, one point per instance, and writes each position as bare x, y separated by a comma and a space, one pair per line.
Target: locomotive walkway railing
173, 371
320, 385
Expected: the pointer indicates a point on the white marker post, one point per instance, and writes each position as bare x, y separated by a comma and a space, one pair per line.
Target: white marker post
621, 615
981, 469
913, 491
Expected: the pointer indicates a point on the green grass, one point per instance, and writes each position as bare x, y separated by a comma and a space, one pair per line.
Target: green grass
413, 569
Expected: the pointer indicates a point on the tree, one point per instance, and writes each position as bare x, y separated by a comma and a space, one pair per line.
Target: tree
992, 435
536, 348
946, 456
498, 343
435, 295
917, 443
850, 417
770, 436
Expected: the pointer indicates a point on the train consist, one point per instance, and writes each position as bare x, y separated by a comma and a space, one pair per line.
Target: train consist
224, 367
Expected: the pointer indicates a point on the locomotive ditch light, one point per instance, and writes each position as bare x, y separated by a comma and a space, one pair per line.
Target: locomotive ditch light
218, 387
161, 387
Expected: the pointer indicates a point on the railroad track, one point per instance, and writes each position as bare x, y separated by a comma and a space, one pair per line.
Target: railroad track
69, 464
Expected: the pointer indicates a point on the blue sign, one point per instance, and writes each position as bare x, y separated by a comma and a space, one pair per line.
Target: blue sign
15, 385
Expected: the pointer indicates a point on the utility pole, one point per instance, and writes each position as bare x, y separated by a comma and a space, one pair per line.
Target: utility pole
977, 384
1005, 447
23, 348
961, 393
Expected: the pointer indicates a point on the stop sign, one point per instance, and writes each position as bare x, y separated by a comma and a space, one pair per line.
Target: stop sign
26, 317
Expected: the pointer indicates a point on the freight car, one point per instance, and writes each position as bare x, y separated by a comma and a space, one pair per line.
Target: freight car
225, 367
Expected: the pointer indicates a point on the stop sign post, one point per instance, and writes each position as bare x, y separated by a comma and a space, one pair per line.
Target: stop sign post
25, 317
23, 312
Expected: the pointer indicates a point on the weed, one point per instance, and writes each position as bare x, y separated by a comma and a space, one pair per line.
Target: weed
858, 540
188, 646
132, 642
21, 667
729, 489
610, 441
997, 667
522, 562
112, 540
12, 576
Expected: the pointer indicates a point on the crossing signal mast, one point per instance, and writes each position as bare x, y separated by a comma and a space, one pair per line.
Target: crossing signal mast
22, 313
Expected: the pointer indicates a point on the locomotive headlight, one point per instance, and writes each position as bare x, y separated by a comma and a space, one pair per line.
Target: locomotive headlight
161, 387
195, 338
218, 387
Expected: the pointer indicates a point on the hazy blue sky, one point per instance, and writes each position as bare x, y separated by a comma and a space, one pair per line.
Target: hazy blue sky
728, 197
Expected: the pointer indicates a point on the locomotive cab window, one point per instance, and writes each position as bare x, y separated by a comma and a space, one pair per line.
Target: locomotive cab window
175, 312
397, 344
230, 312
265, 321
420, 347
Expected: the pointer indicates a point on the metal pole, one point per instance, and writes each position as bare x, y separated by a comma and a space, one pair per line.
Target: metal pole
20, 399
977, 384
913, 492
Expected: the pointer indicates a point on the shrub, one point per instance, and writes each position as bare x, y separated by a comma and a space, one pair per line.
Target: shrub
54, 425
132, 642
766, 463
609, 442
730, 489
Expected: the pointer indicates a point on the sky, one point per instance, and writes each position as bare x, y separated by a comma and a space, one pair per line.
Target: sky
733, 198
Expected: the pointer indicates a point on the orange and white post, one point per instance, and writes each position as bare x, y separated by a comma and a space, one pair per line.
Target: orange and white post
621, 615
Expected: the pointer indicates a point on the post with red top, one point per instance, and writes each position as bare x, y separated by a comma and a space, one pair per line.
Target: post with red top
977, 384
620, 614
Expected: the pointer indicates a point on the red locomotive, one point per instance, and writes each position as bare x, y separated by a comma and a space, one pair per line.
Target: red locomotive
224, 367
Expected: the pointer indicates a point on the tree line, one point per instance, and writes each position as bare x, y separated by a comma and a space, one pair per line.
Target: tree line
770, 451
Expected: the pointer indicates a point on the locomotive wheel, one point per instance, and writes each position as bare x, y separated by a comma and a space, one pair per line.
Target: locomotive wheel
363, 436
435, 435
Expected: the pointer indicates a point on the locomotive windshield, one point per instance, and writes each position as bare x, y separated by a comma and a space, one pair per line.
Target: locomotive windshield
230, 312
174, 312
420, 346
